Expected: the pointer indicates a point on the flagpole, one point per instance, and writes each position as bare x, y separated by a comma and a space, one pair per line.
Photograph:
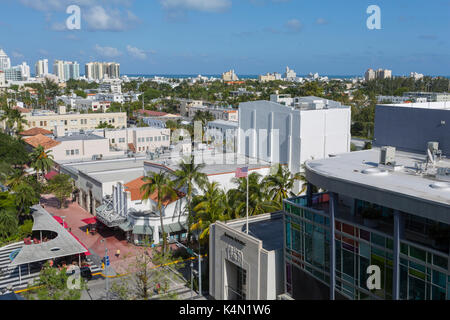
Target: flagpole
247, 202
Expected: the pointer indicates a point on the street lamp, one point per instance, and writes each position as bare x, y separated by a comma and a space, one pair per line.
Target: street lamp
106, 269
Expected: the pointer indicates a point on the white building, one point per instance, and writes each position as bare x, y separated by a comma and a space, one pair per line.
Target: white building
5, 62
290, 74
41, 68
66, 70
313, 128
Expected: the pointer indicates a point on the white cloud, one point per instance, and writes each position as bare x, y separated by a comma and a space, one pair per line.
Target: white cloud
17, 55
196, 5
99, 15
108, 52
136, 53
98, 18
321, 21
294, 25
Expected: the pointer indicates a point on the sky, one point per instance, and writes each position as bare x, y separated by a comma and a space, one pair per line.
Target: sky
250, 36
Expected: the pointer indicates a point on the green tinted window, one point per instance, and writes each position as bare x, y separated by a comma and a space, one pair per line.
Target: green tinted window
417, 253
440, 261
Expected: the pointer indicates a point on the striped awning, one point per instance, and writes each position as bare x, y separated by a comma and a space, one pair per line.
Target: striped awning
175, 227
146, 230
126, 226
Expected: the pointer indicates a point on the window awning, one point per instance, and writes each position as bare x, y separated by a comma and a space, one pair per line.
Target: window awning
126, 226
147, 230
175, 227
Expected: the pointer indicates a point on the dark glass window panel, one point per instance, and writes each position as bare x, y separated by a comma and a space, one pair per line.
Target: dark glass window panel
348, 229
390, 244
417, 266
417, 253
438, 293
377, 239
338, 225
439, 279
404, 248
348, 266
363, 234
403, 283
416, 289
440, 261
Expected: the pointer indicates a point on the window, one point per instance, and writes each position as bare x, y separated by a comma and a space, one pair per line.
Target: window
151, 139
77, 151
67, 152
121, 140
113, 140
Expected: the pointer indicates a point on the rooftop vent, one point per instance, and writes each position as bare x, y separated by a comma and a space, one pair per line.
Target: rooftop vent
440, 185
387, 156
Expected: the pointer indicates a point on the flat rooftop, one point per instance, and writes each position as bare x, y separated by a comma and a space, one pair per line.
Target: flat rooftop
79, 136
266, 227
215, 163
441, 105
362, 168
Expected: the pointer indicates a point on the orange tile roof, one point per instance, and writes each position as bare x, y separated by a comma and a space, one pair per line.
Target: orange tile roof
42, 140
134, 187
34, 132
22, 110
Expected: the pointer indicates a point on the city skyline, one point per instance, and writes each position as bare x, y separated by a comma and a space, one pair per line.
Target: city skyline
210, 37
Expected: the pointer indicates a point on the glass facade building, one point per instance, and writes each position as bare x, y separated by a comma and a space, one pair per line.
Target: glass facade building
364, 235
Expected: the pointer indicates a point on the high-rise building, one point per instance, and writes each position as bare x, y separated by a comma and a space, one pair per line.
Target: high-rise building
370, 75
41, 68
229, 76
5, 62
14, 74
102, 70
66, 70
25, 68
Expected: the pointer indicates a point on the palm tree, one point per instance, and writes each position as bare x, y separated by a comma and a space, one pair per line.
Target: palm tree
211, 207
279, 184
41, 160
26, 196
160, 184
258, 200
188, 176
8, 223
13, 118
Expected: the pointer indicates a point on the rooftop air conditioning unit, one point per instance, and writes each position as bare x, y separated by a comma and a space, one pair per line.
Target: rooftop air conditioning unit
387, 156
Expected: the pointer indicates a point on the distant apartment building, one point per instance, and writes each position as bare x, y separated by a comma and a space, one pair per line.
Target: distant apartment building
111, 97
111, 87
186, 104
230, 76
269, 77
66, 70
377, 74
102, 70
291, 134
416, 76
219, 113
226, 131
290, 74
72, 121
81, 104
137, 140
2, 79
41, 68
67, 147
14, 74
5, 61
393, 99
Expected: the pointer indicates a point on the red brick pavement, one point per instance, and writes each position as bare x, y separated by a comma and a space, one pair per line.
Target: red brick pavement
73, 216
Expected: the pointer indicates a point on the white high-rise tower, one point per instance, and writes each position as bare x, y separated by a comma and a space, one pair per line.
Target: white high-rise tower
5, 62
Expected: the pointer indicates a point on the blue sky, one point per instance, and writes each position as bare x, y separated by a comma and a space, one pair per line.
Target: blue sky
250, 36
